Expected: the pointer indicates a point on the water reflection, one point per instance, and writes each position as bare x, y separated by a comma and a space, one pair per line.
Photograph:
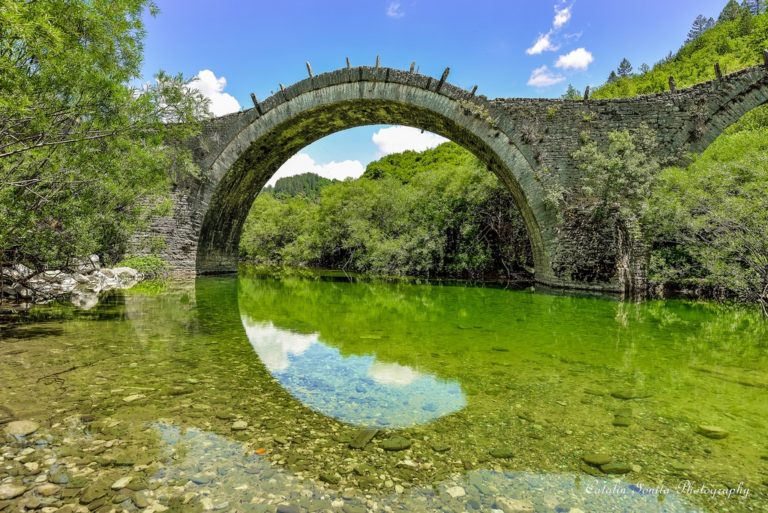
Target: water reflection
358, 390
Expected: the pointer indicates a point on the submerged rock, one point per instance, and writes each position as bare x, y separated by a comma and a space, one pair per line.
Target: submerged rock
10, 491
597, 458
501, 452
122, 482
327, 477
21, 428
622, 421
396, 443
140, 500
48, 489
438, 447
239, 425
514, 505
361, 438
628, 395
715, 432
616, 468
95, 491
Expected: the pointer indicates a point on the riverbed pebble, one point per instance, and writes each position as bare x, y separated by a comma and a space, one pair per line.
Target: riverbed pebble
21, 427
514, 505
239, 425
10, 491
714, 432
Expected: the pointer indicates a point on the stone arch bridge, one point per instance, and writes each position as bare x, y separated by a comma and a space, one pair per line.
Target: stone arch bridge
527, 143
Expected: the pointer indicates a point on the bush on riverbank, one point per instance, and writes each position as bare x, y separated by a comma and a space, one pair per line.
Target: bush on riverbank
150, 266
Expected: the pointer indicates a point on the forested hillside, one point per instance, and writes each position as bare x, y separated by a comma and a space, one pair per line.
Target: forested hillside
735, 41
307, 184
432, 213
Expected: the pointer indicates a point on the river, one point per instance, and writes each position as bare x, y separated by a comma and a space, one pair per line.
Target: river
316, 393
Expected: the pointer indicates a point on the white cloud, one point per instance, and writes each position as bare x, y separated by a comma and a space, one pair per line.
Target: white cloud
561, 16
303, 163
396, 139
543, 77
213, 89
392, 374
393, 10
542, 44
579, 59
273, 345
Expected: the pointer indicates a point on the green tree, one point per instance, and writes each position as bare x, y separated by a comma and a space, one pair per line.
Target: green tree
307, 184
81, 151
700, 25
726, 42
571, 93
625, 68
730, 12
746, 22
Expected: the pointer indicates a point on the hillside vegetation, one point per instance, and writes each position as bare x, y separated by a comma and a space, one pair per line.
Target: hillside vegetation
735, 44
708, 223
306, 184
434, 213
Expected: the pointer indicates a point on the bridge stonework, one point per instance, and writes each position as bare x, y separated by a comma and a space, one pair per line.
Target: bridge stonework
527, 143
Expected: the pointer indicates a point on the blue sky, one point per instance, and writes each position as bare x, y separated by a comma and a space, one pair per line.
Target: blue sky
509, 48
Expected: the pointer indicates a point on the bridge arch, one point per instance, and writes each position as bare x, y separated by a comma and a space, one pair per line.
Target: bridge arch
723, 102
240, 152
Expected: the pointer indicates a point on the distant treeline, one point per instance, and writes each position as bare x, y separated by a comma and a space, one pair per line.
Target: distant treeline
307, 184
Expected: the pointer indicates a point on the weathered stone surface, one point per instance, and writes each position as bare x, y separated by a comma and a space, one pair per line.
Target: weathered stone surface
83, 286
526, 142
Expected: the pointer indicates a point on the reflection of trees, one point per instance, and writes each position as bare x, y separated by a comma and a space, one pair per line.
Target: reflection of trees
472, 334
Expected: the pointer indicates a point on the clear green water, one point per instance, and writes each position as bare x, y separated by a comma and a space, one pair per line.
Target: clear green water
242, 394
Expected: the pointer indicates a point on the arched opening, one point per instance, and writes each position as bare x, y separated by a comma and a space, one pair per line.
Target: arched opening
316, 108
420, 206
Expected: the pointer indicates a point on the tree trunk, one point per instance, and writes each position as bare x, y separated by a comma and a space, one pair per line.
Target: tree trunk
632, 259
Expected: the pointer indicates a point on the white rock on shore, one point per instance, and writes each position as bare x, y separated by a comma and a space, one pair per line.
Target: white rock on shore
83, 286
